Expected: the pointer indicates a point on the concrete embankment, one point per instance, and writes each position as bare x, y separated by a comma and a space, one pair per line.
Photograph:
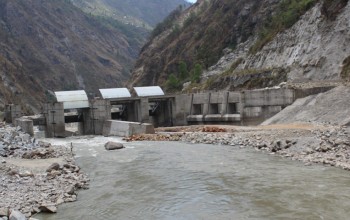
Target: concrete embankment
35, 176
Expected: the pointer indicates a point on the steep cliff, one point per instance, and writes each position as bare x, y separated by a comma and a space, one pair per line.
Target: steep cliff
249, 44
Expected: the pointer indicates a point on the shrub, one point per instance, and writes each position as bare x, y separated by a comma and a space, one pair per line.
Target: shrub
173, 83
287, 14
196, 73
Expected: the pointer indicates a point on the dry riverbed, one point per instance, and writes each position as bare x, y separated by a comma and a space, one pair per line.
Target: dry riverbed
35, 176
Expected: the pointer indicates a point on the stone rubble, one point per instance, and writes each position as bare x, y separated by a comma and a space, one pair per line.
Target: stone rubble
323, 143
27, 191
329, 147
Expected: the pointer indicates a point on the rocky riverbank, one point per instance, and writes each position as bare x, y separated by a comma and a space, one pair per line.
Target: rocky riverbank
35, 176
309, 143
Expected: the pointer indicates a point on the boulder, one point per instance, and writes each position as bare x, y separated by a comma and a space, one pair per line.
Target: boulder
48, 208
70, 190
4, 212
54, 166
113, 146
26, 174
17, 215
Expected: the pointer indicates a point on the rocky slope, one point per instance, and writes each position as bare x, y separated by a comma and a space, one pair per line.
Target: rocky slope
332, 107
139, 13
48, 46
251, 44
52, 45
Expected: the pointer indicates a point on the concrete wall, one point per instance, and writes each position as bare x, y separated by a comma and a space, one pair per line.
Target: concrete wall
26, 125
182, 108
94, 117
268, 97
125, 128
248, 106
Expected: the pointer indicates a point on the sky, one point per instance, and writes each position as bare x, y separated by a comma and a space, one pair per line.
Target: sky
192, 1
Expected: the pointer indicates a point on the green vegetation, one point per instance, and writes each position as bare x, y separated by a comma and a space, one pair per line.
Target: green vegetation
167, 23
287, 14
183, 72
189, 19
175, 82
196, 73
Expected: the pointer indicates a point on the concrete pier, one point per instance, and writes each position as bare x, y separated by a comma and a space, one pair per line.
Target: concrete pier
12, 112
95, 117
26, 125
55, 124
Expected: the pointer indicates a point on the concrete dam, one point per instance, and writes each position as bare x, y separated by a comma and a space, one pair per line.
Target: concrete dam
119, 113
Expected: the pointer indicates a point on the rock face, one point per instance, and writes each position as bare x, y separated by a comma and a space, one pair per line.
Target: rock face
314, 48
113, 146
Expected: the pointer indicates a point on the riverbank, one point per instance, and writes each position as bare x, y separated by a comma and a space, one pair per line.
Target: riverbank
308, 143
35, 176
47, 176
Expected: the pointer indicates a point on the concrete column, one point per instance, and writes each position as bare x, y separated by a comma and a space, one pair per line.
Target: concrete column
26, 125
132, 112
242, 106
55, 125
95, 117
224, 104
12, 113
144, 110
206, 105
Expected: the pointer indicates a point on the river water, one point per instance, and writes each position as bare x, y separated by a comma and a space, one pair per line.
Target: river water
174, 180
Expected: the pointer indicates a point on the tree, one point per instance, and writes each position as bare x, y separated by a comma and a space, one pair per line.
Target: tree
183, 72
173, 83
196, 73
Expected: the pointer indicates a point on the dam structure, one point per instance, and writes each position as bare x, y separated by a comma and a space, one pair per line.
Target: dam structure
117, 112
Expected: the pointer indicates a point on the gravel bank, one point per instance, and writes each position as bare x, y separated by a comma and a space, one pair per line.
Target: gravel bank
309, 143
35, 176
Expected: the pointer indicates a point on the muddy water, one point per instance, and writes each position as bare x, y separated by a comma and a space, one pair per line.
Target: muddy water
162, 180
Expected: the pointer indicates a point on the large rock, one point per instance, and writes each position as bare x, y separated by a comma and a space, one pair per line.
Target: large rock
16, 215
48, 208
4, 212
113, 146
54, 166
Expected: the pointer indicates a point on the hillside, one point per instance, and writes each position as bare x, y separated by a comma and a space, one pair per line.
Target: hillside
248, 44
48, 46
140, 13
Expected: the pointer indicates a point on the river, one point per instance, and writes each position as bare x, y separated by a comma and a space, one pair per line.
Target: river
174, 180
